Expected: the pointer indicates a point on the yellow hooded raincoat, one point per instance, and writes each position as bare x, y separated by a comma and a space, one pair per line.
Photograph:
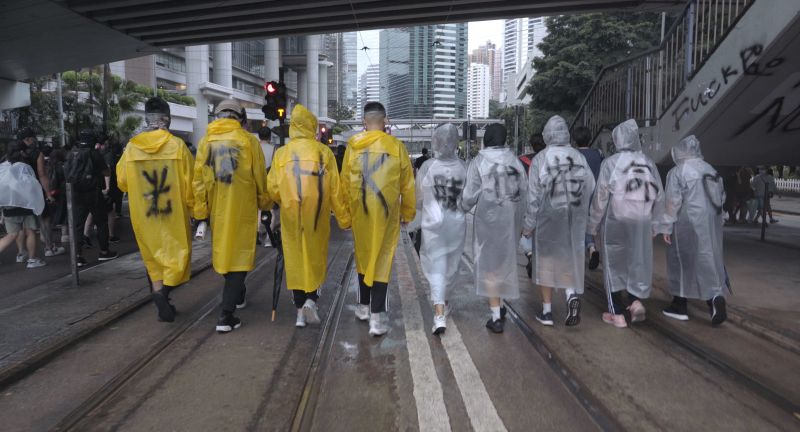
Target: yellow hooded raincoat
304, 180
378, 189
230, 185
156, 171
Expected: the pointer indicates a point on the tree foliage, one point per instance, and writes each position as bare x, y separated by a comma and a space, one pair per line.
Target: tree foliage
576, 49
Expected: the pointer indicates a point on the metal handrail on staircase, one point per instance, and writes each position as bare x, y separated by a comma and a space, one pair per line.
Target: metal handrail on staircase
644, 86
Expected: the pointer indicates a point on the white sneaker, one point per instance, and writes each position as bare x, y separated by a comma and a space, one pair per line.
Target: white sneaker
362, 312
377, 324
57, 250
21, 258
439, 324
301, 319
267, 243
36, 263
310, 312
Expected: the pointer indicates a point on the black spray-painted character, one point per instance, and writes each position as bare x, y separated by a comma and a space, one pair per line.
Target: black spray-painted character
505, 183
298, 172
447, 191
367, 171
566, 184
160, 187
223, 158
640, 184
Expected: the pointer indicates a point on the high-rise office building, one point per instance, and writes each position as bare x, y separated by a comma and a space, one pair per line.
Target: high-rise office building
350, 84
521, 39
479, 90
369, 87
488, 54
424, 71
341, 51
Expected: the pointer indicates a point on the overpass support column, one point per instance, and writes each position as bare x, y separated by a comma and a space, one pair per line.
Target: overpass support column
312, 72
223, 64
323, 89
302, 88
196, 75
272, 60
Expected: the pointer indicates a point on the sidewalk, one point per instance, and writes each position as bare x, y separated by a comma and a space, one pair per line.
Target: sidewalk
40, 321
786, 204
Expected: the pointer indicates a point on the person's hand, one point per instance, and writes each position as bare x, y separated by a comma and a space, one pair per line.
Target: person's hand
667, 239
527, 233
403, 224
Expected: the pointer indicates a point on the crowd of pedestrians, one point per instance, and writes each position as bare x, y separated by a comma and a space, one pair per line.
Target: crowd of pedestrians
565, 204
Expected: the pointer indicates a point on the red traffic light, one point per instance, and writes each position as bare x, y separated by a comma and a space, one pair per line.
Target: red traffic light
271, 87
323, 129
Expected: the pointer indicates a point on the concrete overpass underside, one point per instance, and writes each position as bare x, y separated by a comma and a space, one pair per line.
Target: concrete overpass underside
39, 37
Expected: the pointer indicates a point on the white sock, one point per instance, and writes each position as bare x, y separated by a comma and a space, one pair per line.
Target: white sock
570, 292
546, 308
495, 312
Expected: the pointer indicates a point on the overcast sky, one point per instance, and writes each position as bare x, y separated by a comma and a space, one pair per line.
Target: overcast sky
479, 33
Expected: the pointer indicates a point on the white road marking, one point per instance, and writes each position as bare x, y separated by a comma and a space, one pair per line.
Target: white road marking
431, 411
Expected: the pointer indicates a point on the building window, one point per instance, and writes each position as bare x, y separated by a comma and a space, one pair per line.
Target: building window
171, 62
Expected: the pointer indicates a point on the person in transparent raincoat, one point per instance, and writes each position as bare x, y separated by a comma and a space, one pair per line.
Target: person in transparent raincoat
440, 182
627, 206
692, 228
496, 188
559, 193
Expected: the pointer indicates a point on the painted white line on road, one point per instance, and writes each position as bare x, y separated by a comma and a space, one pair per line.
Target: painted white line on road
431, 411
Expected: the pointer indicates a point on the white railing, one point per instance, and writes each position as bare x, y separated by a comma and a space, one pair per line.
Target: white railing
788, 185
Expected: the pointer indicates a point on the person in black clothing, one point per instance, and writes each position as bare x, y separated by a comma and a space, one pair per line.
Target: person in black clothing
340, 149
91, 198
421, 160
111, 153
583, 139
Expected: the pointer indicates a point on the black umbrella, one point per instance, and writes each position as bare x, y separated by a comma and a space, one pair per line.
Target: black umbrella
275, 238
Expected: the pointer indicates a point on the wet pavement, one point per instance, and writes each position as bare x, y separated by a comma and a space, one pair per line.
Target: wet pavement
138, 374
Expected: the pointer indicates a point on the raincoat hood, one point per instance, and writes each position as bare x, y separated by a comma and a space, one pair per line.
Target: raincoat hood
499, 155
365, 139
222, 126
687, 148
626, 136
444, 141
556, 132
303, 123
152, 141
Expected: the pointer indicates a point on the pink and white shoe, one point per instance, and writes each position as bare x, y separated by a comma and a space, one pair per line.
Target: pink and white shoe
617, 321
637, 311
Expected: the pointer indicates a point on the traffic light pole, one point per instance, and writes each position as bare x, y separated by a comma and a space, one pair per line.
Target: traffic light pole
282, 137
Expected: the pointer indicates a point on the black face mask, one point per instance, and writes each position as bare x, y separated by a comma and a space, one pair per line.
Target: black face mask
494, 136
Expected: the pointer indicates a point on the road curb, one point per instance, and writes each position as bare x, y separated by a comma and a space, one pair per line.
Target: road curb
55, 345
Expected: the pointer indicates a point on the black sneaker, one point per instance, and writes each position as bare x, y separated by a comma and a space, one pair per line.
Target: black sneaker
503, 312
113, 239
107, 255
718, 311
81, 261
496, 326
677, 310
227, 323
166, 312
545, 318
86, 242
594, 260
573, 311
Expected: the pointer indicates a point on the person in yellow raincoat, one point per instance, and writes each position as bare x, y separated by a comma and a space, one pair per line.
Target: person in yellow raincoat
230, 185
156, 171
378, 189
304, 181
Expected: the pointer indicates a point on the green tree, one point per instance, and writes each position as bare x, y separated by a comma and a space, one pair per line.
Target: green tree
576, 49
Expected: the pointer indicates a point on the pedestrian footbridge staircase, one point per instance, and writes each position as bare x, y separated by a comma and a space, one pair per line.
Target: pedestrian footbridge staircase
727, 71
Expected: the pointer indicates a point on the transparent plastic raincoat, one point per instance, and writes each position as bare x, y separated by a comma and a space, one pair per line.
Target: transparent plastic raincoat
19, 187
304, 181
496, 188
378, 190
156, 171
230, 185
628, 204
693, 216
560, 189
440, 182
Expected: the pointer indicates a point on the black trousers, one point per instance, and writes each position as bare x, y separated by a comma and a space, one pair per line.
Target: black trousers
374, 296
300, 297
618, 304
234, 290
90, 203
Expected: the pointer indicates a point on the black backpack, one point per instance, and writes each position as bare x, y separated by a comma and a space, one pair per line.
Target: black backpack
79, 170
